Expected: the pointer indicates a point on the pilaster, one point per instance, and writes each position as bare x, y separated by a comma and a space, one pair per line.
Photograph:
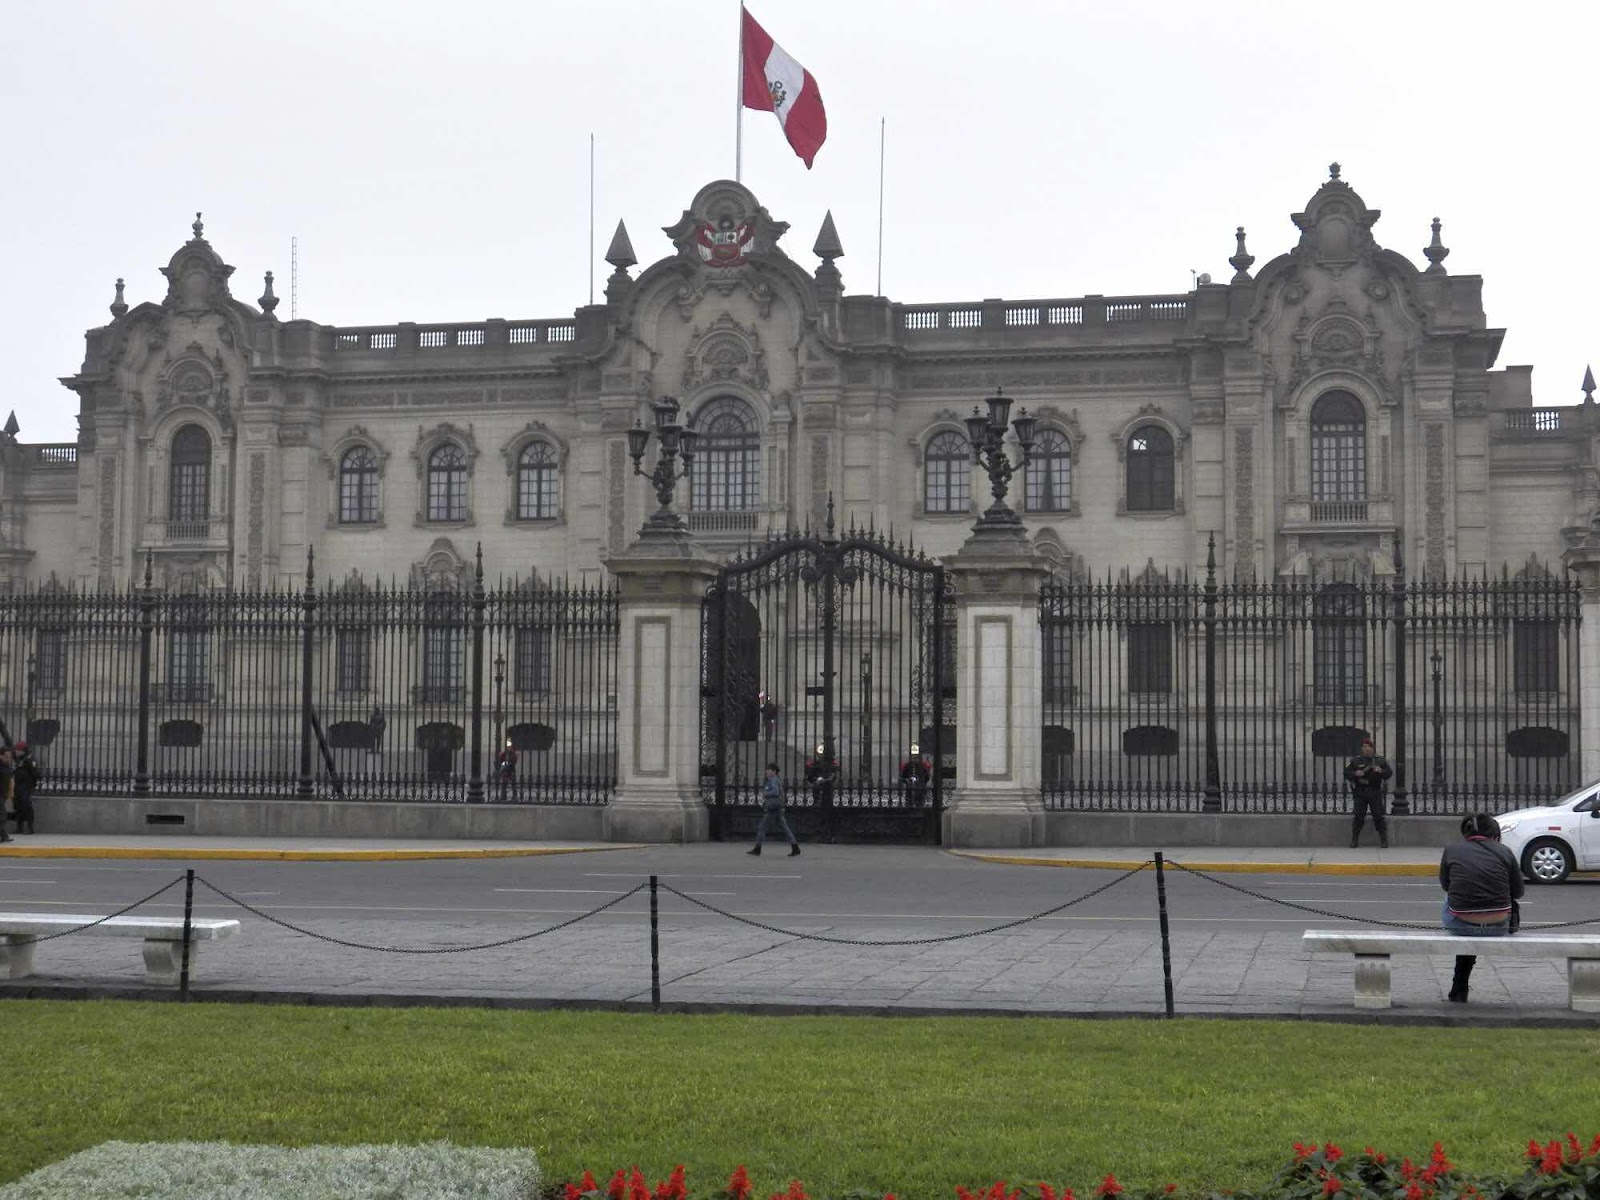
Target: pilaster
657, 799
997, 799
1582, 557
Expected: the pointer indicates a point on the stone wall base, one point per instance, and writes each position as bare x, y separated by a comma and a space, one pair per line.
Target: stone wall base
1007, 819
649, 817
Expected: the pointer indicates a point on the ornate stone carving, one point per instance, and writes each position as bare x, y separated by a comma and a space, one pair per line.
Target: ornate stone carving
1244, 503
256, 535
442, 569
108, 516
356, 435
532, 431
819, 479
1016, 375
725, 351
1433, 500
616, 482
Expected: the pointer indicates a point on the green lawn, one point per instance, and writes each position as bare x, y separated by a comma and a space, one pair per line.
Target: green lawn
917, 1105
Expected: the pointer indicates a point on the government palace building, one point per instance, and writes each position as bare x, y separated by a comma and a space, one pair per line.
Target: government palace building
1322, 416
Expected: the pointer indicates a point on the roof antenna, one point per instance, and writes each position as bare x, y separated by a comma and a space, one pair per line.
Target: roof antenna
294, 278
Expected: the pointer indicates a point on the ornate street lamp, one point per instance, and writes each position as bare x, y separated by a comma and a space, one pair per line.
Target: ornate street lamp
987, 433
676, 442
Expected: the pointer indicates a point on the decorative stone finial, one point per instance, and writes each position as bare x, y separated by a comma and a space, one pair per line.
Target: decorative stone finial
119, 305
1241, 259
268, 301
1588, 385
828, 247
620, 254
12, 428
1435, 252
199, 229
1333, 171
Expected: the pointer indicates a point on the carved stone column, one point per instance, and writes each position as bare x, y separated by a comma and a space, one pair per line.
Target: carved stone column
999, 693
1582, 557
657, 799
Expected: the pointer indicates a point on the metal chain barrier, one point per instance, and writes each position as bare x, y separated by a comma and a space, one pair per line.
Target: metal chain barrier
510, 941
1323, 912
34, 939
925, 941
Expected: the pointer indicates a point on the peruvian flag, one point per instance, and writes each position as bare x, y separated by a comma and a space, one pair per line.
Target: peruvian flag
777, 84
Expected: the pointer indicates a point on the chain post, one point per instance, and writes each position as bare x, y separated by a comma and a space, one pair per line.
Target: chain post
188, 933
655, 949
479, 601
147, 624
1166, 933
308, 630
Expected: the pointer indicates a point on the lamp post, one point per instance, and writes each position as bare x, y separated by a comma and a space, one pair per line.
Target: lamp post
676, 442
987, 433
33, 680
1437, 659
866, 714
499, 694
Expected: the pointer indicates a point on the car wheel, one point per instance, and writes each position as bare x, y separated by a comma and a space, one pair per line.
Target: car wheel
1547, 861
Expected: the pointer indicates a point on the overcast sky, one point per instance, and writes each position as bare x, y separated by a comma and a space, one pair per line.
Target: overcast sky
433, 159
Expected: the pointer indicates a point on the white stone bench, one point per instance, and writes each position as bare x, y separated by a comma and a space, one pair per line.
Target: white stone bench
1373, 947
163, 939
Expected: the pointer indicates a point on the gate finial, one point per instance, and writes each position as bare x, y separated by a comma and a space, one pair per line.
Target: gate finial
830, 514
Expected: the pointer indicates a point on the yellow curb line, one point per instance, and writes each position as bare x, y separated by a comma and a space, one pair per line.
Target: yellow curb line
295, 855
1238, 868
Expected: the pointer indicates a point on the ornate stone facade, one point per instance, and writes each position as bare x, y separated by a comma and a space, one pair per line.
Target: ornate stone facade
1191, 413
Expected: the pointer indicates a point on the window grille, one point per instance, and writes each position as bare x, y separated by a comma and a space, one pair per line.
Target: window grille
947, 474
1150, 470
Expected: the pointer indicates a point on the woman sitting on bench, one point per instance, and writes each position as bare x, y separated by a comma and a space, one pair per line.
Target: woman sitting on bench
1482, 882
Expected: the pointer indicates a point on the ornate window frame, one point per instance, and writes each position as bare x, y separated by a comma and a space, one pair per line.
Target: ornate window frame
354, 437
694, 418
1152, 414
944, 422
428, 442
512, 451
1066, 424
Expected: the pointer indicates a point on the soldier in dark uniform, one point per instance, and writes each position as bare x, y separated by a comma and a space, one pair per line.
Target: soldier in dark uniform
1367, 773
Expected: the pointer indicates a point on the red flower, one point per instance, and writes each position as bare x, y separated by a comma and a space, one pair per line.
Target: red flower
1439, 1162
1574, 1148
1408, 1171
1331, 1186
588, 1184
1533, 1151
1594, 1146
674, 1187
1170, 1188
1414, 1191
1109, 1187
795, 1192
1550, 1164
1332, 1153
1303, 1151
963, 1194
573, 1191
637, 1188
739, 1184
619, 1185
1046, 1192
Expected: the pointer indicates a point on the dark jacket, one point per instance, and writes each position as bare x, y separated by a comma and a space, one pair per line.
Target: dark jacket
1367, 773
1479, 875
27, 775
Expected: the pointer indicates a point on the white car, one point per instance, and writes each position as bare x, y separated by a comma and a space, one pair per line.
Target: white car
1554, 840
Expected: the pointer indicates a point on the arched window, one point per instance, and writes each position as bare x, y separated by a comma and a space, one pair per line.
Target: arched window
538, 482
1338, 449
726, 473
1339, 645
1049, 473
189, 497
947, 474
1150, 470
447, 484
358, 486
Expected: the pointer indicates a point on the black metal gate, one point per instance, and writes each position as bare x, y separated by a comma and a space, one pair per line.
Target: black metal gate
820, 654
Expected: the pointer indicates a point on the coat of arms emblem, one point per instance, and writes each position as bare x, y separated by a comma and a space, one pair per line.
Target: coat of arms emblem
724, 245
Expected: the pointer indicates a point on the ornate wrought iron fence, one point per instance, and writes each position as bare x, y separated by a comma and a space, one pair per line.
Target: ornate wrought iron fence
353, 691
1161, 694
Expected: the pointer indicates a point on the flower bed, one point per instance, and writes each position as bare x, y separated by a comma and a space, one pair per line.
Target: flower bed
1560, 1169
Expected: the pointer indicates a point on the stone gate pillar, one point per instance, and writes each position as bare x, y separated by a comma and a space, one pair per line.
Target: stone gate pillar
1582, 557
999, 694
657, 799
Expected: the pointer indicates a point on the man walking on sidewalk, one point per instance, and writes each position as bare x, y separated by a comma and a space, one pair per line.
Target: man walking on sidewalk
772, 806
1367, 773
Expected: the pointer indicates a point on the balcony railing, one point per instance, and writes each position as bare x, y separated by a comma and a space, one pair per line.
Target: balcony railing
1338, 511
188, 531
59, 454
1034, 314
401, 338
1538, 421
728, 521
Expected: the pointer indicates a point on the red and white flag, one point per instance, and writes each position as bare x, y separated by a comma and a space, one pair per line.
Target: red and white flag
777, 84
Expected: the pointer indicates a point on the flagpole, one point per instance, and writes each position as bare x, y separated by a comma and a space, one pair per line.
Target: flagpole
591, 216
738, 105
882, 122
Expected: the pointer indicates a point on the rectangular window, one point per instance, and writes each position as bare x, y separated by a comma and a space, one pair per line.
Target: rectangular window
1150, 656
533, 660
443, 654
358, 498
190, 491
355, 660
51, 661
536, 493
1057, 649
447, 495
186, 665
1535, 654
1339, 650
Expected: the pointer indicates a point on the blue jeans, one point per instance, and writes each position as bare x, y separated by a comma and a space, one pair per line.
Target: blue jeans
783, 824
1454, 924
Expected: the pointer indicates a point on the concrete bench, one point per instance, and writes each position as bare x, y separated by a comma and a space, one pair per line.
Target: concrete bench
1373, 947
163, 940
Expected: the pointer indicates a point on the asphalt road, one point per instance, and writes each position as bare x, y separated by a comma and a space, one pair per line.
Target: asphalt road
1231, 952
